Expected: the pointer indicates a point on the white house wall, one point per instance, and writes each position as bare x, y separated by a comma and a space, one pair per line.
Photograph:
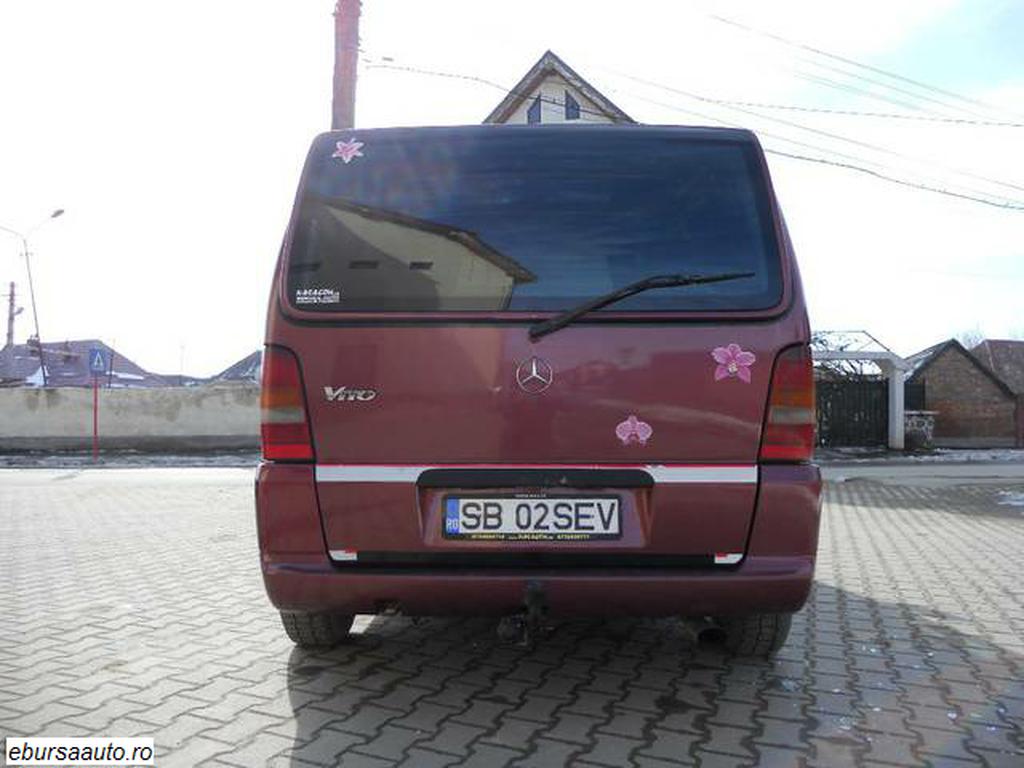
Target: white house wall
553, 89
456, 270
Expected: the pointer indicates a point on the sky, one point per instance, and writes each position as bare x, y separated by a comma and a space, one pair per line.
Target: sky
172, 134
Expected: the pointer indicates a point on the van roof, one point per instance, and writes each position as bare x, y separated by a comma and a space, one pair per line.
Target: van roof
698, 133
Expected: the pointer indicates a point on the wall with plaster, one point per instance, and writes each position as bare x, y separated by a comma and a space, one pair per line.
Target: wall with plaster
191, 418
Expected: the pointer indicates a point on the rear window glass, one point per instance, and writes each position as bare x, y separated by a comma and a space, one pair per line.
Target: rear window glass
520, 219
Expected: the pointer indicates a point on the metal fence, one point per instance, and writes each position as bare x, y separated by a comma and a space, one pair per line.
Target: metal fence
856, 412
852, 413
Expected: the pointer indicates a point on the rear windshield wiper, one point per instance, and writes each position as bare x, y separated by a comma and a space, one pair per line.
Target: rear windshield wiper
658, 281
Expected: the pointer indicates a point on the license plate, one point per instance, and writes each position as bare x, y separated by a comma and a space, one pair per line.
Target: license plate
548, 518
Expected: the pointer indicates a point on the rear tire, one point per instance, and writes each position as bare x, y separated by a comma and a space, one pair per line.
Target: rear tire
756, 635
316, 630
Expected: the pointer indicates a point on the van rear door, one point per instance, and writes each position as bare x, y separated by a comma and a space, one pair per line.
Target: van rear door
414, 270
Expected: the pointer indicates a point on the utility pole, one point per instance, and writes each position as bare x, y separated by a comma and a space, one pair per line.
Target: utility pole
35, 315
12, 312
23, 236
346, 60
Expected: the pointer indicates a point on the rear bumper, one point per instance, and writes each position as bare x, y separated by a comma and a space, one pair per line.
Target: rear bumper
775, 574
759, 584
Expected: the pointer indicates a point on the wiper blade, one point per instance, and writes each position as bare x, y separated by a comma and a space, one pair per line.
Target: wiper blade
658, 281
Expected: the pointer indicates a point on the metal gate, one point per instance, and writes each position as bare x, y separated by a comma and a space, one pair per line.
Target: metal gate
852, 413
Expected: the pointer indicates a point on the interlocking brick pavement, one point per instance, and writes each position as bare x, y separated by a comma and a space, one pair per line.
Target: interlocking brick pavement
131, 604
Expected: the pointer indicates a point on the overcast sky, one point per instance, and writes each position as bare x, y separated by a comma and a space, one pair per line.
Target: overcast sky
173, 134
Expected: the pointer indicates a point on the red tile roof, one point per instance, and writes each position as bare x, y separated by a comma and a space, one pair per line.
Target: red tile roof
1005, 357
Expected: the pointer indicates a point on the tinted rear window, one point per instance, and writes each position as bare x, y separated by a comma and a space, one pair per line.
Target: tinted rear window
492, 219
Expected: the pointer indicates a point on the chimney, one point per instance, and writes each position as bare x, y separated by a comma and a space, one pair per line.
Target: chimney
346, 59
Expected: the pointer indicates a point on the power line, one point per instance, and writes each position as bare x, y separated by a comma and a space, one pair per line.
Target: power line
896, 89
848, 88
857, 113
969, 194
544, 100
386, 62
1005, 204
861, 65
827, 134
893, 179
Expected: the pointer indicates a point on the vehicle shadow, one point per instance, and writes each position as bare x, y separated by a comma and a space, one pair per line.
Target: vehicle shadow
859, 680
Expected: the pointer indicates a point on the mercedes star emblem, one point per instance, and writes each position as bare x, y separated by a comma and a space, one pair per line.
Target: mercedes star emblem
534, 376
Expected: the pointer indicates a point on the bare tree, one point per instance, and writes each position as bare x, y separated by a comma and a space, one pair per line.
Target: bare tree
843, 341
971, 338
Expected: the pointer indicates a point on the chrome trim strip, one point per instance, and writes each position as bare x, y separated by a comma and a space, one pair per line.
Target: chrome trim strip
383, 473
681, 474
367, 473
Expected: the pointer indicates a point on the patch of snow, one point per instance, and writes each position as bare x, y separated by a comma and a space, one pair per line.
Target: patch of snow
36, 379
940, 455
978, 454
1011, 499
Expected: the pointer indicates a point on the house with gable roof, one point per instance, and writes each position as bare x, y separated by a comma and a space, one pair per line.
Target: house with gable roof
245, 371
553, 92
67, 365
974, 406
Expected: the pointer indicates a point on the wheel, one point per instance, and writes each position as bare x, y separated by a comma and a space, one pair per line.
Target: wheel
316, 630
760, 634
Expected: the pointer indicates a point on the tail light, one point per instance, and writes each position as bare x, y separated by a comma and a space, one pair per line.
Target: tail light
284, 423
789, 427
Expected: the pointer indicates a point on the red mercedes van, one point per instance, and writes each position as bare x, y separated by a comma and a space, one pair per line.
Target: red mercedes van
530, 370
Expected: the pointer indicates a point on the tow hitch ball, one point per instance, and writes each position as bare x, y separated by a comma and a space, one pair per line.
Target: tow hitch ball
522, 628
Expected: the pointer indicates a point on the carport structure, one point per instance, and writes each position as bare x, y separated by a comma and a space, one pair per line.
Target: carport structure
892, 366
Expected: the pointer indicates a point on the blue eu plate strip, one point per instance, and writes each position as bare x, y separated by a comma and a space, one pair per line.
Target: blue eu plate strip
451, 516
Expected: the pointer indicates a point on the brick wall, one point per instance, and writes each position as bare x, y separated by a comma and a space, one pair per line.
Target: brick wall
972, 409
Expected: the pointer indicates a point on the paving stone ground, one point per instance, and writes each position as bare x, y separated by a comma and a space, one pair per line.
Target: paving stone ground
131, 604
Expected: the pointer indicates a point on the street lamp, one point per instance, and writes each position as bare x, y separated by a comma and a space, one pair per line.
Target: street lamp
23, 236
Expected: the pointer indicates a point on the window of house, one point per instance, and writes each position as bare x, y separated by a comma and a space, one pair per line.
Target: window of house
533, 113
572, 107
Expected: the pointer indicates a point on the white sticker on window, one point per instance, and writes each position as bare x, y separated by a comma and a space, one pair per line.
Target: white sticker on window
317, 296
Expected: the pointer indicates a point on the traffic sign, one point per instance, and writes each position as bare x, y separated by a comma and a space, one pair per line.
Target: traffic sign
99, 361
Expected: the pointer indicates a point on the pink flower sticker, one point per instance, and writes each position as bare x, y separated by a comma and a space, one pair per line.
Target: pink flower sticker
632, 430
733, 362
348, 150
